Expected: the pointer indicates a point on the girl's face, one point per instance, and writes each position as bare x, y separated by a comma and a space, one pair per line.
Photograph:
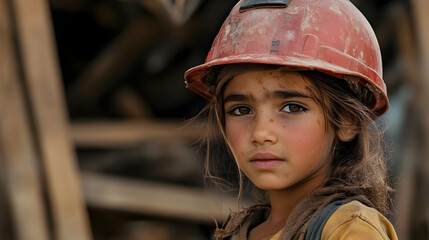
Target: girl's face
277, 131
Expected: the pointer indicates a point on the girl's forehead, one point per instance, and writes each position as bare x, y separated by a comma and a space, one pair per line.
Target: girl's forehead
268, 80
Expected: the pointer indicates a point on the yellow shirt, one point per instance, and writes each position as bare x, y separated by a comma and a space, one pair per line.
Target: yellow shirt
277, 235
355, 221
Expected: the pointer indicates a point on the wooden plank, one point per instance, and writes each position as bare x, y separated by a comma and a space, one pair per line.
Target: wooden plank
19, 165
69, 5
421, 14
407, 189
413, 196
180, 10
130, 133
117, 58
157, 8
42, 79
6, 224
407, 47
175, 12
156, 199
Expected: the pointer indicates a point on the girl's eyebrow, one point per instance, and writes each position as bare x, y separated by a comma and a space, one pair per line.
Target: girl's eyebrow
269, 95
286, 94
235, 98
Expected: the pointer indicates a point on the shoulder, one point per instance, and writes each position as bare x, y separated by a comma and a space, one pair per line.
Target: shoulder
357, 221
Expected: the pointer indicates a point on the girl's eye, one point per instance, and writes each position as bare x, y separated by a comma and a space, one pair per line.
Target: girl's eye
293, 108
240, 111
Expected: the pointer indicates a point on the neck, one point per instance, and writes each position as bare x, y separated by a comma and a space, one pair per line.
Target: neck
284, 201
282, 204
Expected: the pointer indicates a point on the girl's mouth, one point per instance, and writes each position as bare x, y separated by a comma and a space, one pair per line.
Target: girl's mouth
265, 161
266, 164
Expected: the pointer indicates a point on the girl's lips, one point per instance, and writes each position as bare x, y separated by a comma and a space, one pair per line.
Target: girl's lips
264, 156
266, 164
265, 161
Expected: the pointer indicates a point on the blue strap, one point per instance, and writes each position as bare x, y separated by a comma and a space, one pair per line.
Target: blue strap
315, 229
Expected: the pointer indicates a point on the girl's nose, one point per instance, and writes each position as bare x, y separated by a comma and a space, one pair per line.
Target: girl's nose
264, 131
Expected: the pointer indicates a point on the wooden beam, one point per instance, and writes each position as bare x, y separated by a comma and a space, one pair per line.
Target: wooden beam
156, 199
19, 165
421, 14
114, 61
413, 195
180, 10
6, 225
410, 150
45, 93
69, 5
407, 47
175, 12
130, 133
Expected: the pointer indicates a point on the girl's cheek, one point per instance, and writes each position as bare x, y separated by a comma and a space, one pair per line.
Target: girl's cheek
234, 134
302, 134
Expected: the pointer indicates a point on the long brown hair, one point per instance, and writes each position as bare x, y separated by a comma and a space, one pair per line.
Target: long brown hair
358, 164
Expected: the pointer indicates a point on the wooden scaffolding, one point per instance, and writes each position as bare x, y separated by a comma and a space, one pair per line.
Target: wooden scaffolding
42, 190
44, 195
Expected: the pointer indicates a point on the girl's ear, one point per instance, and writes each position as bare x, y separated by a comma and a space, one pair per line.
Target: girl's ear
347, 131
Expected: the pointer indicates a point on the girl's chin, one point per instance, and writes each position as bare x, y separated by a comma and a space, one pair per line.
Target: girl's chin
273, 189
271, 186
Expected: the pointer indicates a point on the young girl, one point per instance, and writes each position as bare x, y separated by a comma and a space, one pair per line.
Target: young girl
294, 87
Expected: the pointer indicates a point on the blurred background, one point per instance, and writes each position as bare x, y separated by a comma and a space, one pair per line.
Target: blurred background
93, 106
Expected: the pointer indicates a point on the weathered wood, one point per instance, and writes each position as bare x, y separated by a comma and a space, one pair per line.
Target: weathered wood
6, 225
130, 133
409, 156
421, 16
19, 165
69, 5
43, 82
156, 7
413, 220
421, 10
180, 10
156, 199
105, 71
128, 103
175, 12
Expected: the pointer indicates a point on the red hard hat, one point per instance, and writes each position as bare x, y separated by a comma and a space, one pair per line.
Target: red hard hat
330, 36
